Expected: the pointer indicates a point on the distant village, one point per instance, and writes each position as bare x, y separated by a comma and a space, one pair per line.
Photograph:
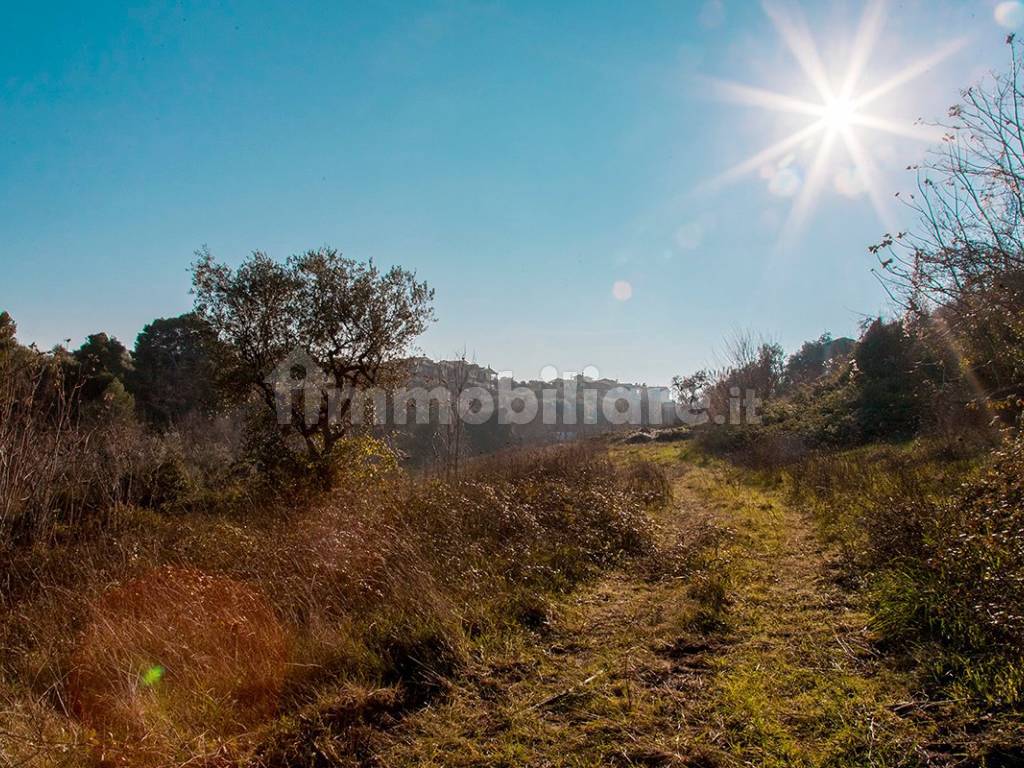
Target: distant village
569, 409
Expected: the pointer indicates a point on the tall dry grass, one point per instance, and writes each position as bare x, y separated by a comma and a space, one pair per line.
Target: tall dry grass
259, 632
170, 631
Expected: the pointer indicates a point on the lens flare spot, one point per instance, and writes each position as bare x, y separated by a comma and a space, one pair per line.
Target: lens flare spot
849, 182
1010, 14
622, 290
152, 675
784, 182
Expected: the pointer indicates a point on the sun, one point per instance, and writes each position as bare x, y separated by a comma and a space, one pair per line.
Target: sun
838, 116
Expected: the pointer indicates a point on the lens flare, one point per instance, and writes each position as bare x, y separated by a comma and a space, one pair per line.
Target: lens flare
836, 117
152, 675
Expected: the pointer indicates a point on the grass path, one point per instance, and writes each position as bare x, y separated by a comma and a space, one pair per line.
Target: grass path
800, 683
754, 657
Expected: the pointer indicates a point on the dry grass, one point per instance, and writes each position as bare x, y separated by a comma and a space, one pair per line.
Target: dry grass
649, 606
68, 470
748, 654
175, 653
274, 633
607, 677
40, 449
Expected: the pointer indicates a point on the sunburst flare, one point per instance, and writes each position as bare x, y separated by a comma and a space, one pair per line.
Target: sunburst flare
837, 115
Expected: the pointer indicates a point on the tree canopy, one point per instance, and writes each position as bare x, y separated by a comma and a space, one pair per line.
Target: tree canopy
350, 318
175, 369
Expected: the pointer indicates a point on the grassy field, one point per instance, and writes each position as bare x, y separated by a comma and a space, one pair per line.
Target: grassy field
751, 650
649, 605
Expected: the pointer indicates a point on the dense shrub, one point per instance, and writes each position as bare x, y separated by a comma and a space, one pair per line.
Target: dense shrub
900, 380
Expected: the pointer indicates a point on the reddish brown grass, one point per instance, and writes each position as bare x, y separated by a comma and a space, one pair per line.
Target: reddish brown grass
177, 650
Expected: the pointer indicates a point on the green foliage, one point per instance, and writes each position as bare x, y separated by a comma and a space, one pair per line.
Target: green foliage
989, 322
978, 556
272, 456
890, 403
14, 356
113, 404
175, 371
100, 361
815, 358
8, 329
349, 318
899, 380
363, 459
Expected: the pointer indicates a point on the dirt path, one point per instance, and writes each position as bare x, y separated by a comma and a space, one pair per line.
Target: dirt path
746, 655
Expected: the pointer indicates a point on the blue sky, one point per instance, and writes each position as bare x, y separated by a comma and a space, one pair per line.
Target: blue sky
521, 157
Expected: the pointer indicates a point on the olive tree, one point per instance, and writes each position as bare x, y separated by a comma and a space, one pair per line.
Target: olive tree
350, 318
